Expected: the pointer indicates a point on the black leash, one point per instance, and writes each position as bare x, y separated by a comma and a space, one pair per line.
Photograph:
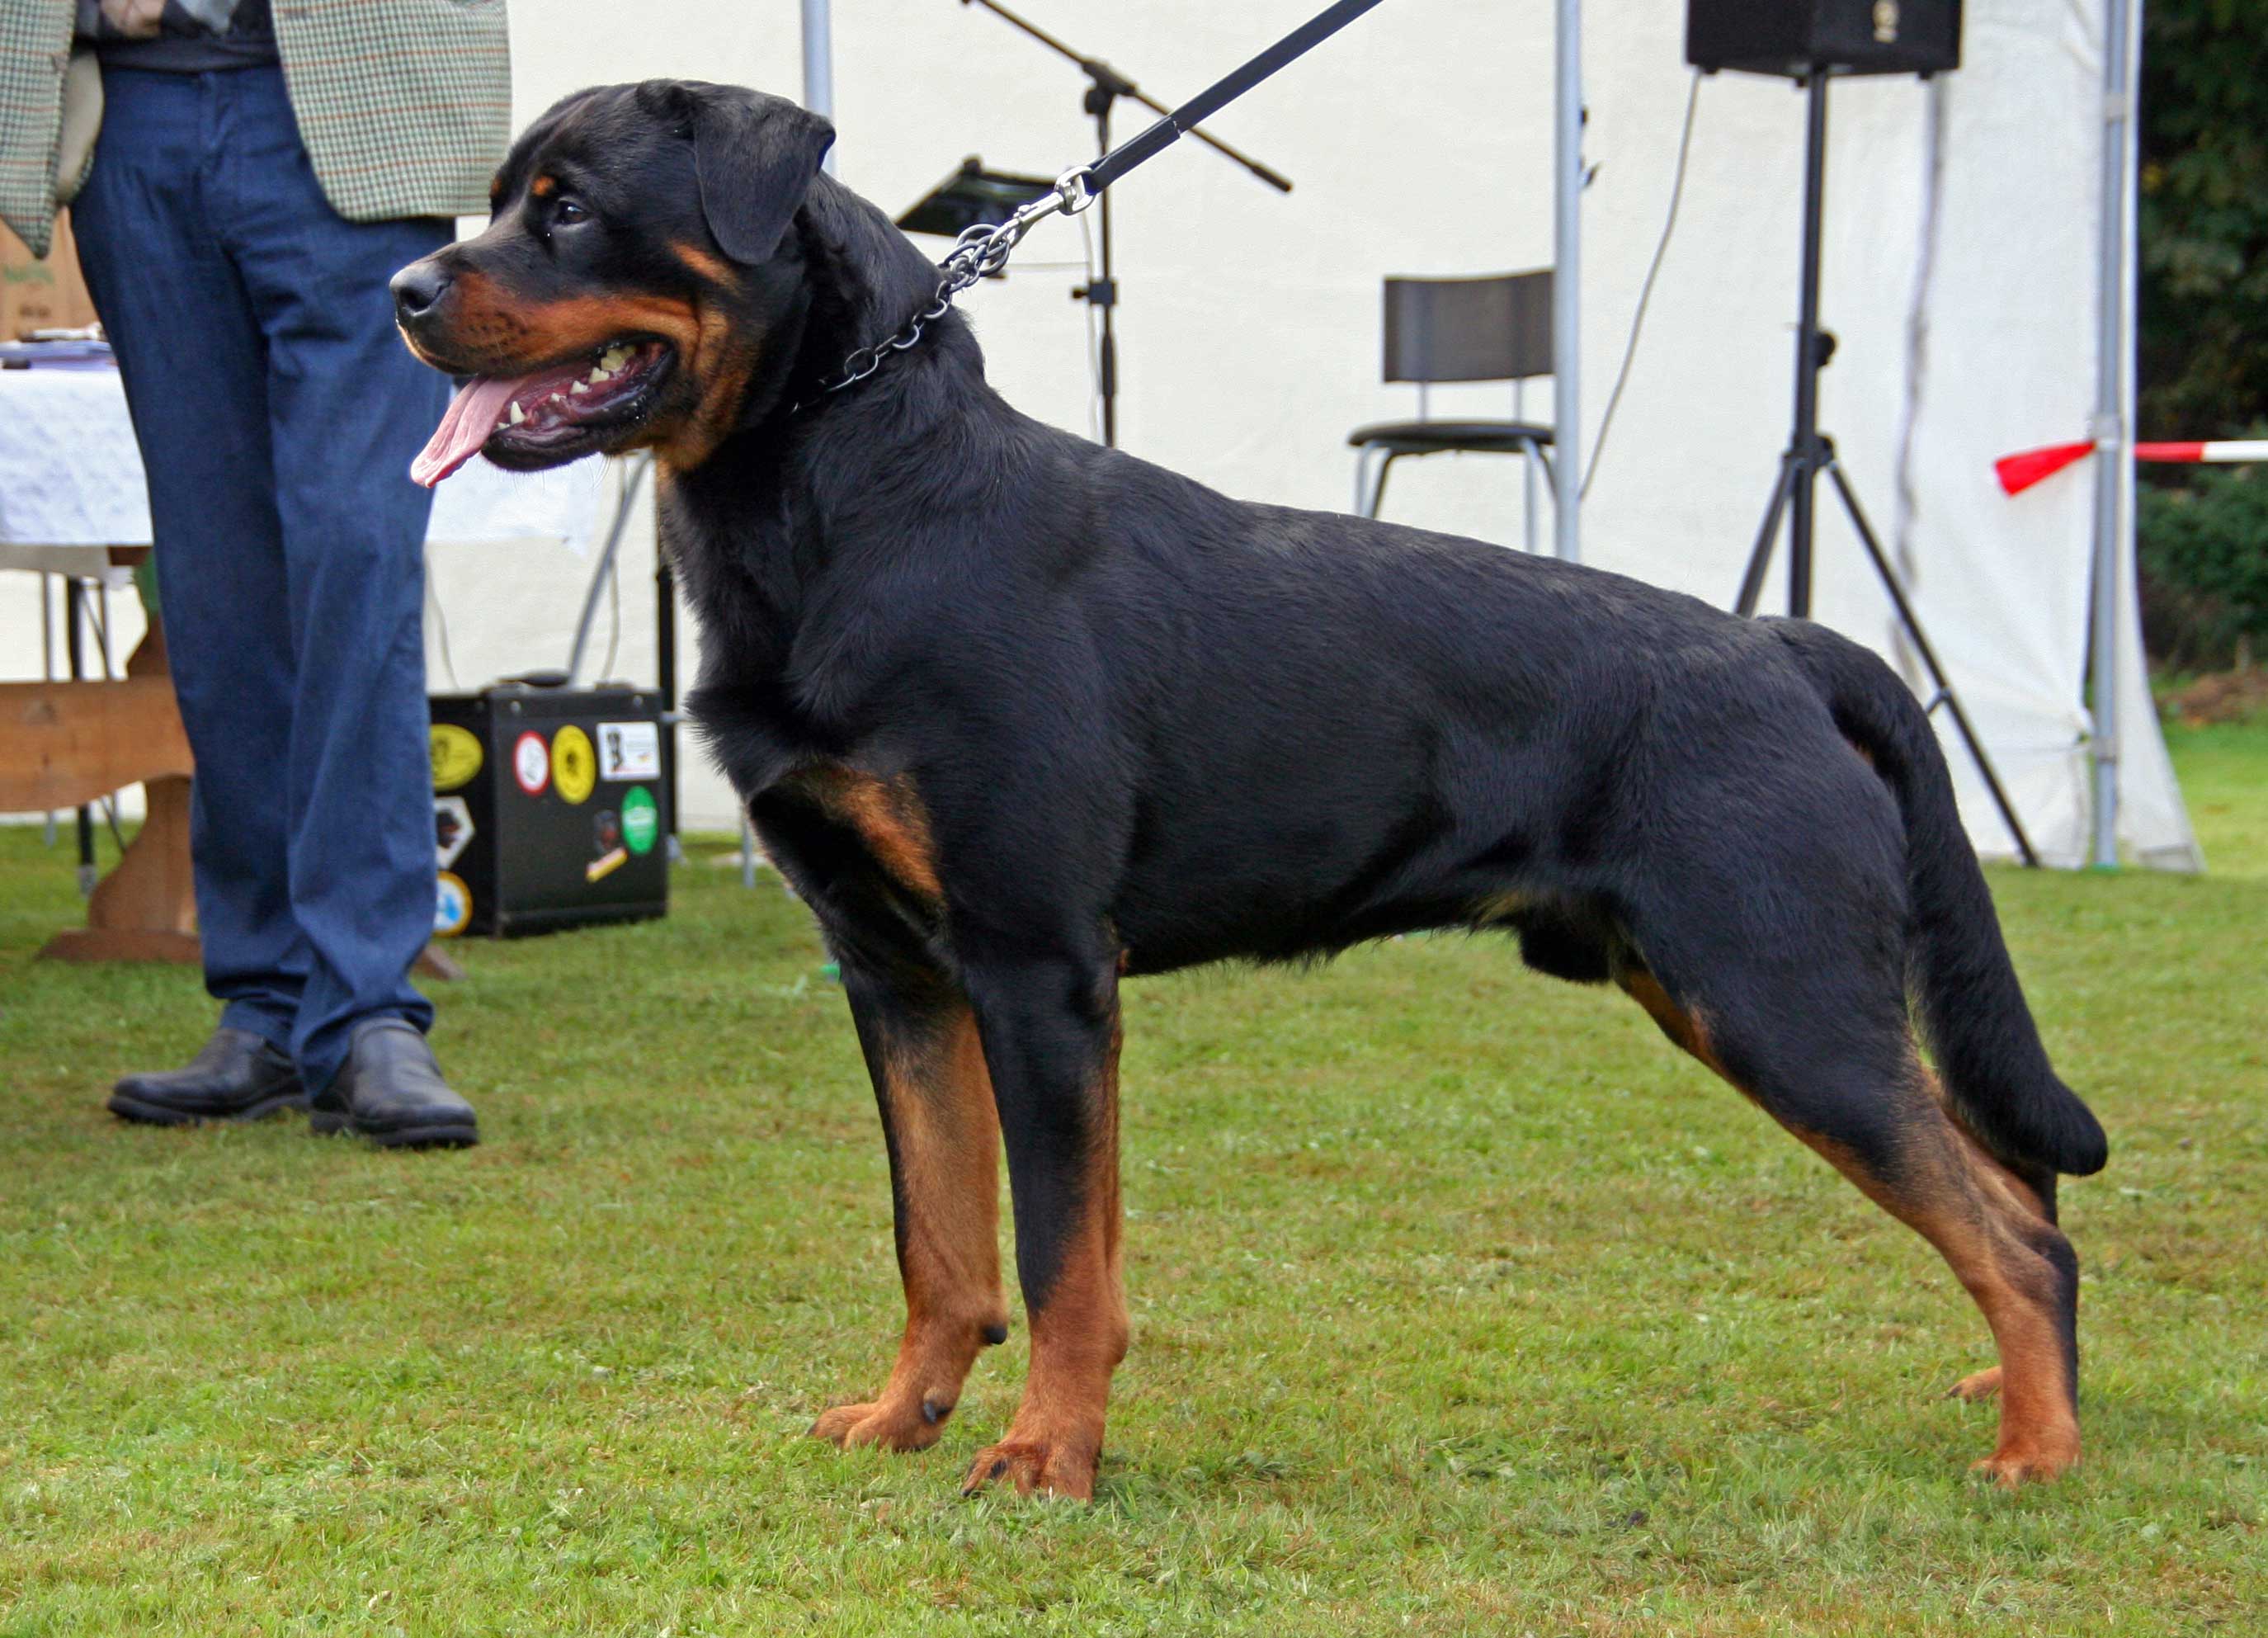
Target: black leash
1218, 96
982, 249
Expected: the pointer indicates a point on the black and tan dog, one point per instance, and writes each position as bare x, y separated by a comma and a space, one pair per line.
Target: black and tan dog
1018, 716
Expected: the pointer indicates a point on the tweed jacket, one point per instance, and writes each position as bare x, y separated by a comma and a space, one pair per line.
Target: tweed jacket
405, 105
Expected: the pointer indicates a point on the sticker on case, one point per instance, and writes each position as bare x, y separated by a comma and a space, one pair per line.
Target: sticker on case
574, 768
457, 757
453, 830
531, 763
452, 905
628, 750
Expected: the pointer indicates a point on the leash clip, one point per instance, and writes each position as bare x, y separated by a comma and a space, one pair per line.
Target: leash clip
1075, 190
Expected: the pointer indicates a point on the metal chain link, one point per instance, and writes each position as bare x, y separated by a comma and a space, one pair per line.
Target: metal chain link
980, 252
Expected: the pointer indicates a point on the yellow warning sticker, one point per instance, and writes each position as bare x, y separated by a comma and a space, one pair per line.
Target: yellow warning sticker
574, 764
605, 864
456, 755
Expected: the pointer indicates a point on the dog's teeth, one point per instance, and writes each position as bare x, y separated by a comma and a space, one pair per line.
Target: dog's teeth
577, 386
598, 372
518, 414
614, 357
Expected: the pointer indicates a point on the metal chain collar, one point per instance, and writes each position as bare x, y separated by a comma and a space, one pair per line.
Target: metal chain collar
980, 252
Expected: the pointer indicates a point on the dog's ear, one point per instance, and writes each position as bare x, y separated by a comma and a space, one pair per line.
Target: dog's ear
755, 157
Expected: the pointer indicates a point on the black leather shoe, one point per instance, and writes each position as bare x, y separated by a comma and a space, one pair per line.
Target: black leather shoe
391, 1092
238, 1076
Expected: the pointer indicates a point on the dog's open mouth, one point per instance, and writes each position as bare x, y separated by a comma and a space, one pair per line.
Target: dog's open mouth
550, 416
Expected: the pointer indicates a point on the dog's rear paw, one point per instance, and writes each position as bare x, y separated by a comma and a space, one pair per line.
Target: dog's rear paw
894, 1424
1061, 1467
1978, 1385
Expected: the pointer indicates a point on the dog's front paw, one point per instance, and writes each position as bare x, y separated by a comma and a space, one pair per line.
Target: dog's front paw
2015, 1464
896, 1424
1061, 1466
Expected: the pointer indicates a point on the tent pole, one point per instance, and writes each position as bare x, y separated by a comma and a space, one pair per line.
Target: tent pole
819, 65
1567, 281
2113, 437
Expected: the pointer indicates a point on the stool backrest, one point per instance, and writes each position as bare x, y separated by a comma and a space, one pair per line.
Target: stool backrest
1469, 329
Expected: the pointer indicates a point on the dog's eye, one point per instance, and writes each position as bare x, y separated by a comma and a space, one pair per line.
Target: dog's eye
568, 212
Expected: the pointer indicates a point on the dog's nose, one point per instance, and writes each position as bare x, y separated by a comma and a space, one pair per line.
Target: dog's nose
416, 288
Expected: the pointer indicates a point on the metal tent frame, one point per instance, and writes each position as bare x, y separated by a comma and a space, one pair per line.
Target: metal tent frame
2114, 393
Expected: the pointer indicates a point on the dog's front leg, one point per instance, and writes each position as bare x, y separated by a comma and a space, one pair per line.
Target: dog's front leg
1051, 1032
922, 1049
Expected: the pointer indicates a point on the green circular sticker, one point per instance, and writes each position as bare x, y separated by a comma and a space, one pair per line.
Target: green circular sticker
641, 820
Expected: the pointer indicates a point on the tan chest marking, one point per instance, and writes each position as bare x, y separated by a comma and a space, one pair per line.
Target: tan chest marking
888, 816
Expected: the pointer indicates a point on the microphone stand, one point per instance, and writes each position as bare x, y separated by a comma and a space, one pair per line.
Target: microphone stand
1106, 84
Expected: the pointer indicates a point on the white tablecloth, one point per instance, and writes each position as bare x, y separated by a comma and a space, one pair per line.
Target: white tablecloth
70, 482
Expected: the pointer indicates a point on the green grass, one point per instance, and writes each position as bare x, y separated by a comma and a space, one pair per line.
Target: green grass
2225, 782
1461, 1303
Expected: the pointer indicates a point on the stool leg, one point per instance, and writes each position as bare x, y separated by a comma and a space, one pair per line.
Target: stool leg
1378, 490
1528, 489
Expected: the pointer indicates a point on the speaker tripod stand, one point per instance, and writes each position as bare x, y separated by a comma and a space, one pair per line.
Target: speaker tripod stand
1810, 452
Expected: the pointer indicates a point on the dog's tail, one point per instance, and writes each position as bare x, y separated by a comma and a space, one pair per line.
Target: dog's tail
1972, 1012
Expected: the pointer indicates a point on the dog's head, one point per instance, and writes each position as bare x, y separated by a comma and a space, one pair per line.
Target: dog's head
635, 276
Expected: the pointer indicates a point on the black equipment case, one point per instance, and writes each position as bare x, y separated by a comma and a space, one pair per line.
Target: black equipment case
550, 810
1794, 37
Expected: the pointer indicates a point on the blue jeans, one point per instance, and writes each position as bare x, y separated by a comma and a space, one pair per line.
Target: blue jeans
277, 412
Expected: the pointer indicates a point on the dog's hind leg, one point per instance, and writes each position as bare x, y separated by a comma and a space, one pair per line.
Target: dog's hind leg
1825, 1050
928, 1068
2033, 1187
1051, 1038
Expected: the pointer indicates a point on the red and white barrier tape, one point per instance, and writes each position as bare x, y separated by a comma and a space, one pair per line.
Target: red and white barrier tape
2018, 472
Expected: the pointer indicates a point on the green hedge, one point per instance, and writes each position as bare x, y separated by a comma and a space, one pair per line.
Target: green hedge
2204, 567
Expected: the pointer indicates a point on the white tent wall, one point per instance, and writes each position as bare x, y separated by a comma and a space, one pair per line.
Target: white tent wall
1249, 335
1420, 141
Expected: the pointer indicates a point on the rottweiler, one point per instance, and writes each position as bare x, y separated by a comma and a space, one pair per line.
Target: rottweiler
1019, 717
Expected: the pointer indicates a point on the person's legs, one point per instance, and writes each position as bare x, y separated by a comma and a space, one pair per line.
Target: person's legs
196, 368
347, 407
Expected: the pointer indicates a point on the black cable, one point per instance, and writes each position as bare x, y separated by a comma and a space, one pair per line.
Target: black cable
440, 626
613, 613
1645, 293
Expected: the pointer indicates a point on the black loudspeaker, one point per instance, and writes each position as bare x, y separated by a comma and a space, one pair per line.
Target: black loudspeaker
550, 810
1798, 37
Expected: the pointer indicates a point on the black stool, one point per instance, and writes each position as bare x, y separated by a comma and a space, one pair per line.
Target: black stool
1461, 329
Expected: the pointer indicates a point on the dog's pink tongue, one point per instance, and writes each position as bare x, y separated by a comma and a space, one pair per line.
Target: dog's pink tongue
472, 417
